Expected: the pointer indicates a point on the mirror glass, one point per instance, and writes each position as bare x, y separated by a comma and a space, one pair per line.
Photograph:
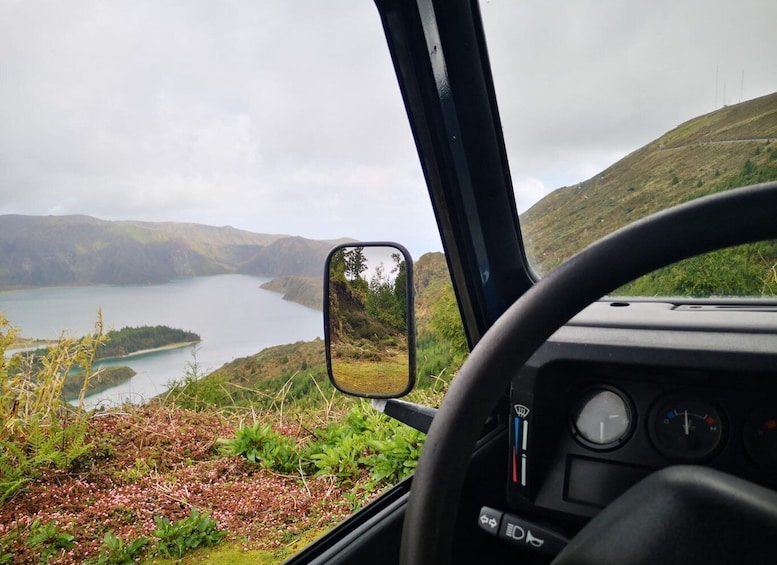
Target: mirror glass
368, 320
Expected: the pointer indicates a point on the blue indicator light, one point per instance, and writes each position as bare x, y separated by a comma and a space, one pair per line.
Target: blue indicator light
517, 436
670, 415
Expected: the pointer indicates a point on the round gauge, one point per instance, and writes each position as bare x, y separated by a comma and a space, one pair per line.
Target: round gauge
761, 438
686, 428
602, 419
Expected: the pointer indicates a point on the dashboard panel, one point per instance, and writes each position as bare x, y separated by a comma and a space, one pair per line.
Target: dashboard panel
628, 388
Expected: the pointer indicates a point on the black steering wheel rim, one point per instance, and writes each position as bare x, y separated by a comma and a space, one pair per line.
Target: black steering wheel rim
726, 219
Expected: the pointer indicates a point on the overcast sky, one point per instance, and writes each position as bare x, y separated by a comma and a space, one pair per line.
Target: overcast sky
285, 117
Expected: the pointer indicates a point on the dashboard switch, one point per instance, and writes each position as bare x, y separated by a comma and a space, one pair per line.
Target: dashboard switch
521, 532
489, 520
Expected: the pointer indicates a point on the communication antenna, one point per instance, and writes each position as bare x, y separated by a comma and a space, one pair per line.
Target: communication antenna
717, 70
742, 87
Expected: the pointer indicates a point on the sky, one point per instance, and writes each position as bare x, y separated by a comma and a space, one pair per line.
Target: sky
286, 117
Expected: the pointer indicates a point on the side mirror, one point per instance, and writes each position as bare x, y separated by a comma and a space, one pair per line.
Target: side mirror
368, 319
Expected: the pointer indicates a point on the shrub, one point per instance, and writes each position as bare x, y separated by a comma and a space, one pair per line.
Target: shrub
177, 538
48, 539
116, 552
39, 430
261, 444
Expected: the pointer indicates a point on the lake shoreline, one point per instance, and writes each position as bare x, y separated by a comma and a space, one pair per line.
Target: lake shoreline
167, 347
231, 315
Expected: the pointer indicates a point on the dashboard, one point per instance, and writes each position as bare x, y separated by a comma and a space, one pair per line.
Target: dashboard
627, 388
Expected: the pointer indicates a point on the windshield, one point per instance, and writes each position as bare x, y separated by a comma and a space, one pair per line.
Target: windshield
613, 112
173, 176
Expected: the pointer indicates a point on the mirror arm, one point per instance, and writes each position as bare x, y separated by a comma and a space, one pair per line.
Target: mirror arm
416, 416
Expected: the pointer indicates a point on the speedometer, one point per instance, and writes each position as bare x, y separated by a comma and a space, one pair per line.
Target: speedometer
603, 419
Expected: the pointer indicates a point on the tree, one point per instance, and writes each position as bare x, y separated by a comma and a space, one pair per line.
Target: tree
355, 263
337, 266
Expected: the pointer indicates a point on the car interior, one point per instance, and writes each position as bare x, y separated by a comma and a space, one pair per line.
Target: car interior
584, 427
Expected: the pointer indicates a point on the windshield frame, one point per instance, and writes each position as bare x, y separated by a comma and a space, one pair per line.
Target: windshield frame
440, 57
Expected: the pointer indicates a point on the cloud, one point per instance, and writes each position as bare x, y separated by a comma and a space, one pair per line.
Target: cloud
286, 117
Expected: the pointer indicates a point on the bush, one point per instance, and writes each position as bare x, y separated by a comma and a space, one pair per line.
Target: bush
261, 444
116, 552
178, 538
39, 430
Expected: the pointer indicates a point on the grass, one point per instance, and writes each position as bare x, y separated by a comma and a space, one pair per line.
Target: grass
258, 458
390, 376
701, 156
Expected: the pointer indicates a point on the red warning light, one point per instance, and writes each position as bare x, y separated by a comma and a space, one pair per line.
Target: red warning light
710, 420
770, 424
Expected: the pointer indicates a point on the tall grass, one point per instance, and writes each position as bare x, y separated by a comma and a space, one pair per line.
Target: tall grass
39, 430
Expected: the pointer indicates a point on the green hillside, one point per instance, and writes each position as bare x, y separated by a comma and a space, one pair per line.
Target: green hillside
731, 147
38, 251
295, 374
308, 291
698, 157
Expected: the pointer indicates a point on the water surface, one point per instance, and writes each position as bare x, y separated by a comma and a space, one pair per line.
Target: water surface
234, 317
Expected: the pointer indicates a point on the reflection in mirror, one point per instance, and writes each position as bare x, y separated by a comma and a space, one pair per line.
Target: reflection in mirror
368, 320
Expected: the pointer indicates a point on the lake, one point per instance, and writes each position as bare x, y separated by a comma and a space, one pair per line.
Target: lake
232, 315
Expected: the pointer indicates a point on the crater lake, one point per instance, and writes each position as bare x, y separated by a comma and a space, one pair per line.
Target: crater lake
233, 316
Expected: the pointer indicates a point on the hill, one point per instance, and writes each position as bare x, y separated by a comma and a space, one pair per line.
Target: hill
308, 291
733, 146
38, 251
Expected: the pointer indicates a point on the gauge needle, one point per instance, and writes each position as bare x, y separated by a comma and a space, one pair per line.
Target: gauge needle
687, 426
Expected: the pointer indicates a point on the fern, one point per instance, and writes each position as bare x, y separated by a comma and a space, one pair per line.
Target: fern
38, 430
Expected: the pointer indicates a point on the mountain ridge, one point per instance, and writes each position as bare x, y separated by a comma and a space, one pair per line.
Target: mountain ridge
44, 251
707, 154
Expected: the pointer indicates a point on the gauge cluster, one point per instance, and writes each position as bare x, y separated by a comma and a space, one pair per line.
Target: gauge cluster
582, 433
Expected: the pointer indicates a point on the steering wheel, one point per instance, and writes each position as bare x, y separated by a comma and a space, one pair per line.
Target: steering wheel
730, 218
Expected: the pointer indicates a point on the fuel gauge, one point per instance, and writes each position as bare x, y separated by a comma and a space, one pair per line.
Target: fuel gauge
686, 428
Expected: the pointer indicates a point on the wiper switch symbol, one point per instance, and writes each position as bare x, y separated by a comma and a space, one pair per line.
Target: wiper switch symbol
521, 411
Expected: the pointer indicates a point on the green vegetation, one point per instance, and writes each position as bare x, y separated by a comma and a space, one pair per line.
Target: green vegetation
48, 539
127, 341
307, 291
41, 432
719, 151
747, 270
364, 441
115, 343
102, 379
117, 552
368, 323
175, 539
254, 457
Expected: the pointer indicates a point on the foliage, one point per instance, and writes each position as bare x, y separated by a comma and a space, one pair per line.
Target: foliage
386, 298
39, 430
259, 443
752, 172
364, 442
355, 263
48, 539
102, 379
131, 340
706, 154
175, 539
117, 552
747, 270
446, 323
307, 291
